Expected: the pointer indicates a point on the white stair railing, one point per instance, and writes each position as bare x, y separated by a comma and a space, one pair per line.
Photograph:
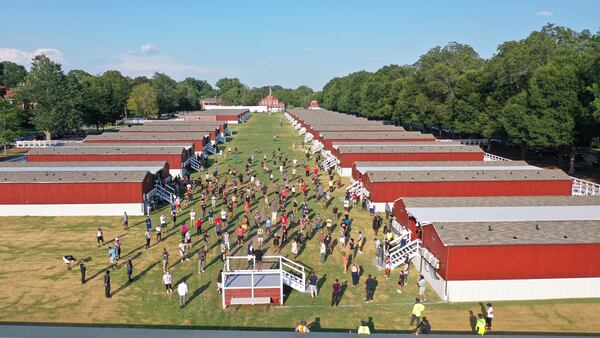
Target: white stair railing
209, 148
492, 157
401, 254
302, 131
221, 138
309, 137
330, 162
584, 188
316, 147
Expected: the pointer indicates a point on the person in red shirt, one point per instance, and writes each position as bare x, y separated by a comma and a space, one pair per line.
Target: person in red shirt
198, 226
283, 220
307, 170
239, 231
316, 172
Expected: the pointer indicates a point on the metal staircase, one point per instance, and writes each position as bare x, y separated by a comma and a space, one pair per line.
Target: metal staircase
330, 162
316, 147
402, 248
355, 187
162, 193
293, 274
308, 137
302, 131
228, 132
210, 148
221, 138
194, 163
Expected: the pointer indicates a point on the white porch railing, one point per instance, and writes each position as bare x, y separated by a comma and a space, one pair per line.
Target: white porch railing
584, 188
43, 143
492, 157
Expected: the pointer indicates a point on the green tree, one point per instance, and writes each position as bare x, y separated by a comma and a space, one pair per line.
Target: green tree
143, 101
168, 94
232, 91
10, 123
56, 98
11, 74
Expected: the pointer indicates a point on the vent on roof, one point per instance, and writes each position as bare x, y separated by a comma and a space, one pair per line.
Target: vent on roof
514, 237
467, 238
537, 227
565, 236
490, 228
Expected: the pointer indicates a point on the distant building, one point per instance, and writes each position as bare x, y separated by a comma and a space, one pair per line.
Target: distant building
271, 102
209, 102
314, 105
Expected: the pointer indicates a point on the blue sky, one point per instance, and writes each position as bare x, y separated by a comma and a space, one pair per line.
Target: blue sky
285, 42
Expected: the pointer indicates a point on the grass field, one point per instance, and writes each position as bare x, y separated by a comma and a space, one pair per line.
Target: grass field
38, 288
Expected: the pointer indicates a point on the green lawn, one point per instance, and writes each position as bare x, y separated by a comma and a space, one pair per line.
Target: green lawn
37, 288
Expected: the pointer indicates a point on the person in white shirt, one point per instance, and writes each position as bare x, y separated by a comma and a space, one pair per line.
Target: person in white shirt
167, 280
489, 316
192, 217
182, 249
182, 290
163, 220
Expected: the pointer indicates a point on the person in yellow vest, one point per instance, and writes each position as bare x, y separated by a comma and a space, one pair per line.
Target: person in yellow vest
364, 328
417, 312
480, 326
302, 328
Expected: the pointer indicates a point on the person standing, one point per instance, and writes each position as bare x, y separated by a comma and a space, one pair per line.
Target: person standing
323, 251
82, 269
480, 325
354, 271
363, 328
125, 221
165, 259
489, 316
302, 328
112, 257
345, 261
167, 280
336, 293
370, 288
182, 290
424, 327
201, 260
312, 285
100, 236
421, 284
107, 284
129, 269
417, 312
147, 237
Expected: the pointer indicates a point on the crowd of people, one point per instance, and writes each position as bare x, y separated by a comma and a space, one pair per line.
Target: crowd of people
235, 211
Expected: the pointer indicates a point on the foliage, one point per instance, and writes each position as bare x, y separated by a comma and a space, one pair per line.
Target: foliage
10, 123
11, 74
143, 101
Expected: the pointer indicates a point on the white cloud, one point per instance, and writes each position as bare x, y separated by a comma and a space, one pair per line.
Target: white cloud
376, 58
309, 49
146, 64
145, 49
24, 57
544, 13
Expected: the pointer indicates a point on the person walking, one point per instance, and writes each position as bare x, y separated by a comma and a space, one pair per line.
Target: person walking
82, 269
323, 252
182, 290
167, 280
417, 312
201, 260
345, 261
165, 259
312, 285
421, 284
107, 284
129, 269
336, 293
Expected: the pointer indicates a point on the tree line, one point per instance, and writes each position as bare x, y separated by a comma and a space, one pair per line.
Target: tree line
541, 91
56, 102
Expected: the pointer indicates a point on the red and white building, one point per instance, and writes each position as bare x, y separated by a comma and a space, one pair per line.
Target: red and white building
272, 103
507, 248
74, 193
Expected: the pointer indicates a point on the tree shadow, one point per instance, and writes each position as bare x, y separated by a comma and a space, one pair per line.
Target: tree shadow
135, 279
197, 293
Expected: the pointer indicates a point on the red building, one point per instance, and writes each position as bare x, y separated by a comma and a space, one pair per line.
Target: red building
271, 102
387, 186
425, 151
329, 137
74, 193
175, 156
198, 139
174, 129
360, 168
314, 105
231, 115
528, 247
209, 102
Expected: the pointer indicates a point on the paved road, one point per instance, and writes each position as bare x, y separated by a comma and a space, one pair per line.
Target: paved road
56, 331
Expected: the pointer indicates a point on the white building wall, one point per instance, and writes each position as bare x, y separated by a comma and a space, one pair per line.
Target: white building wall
344, 172
105, 209
523, 289
511, 289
